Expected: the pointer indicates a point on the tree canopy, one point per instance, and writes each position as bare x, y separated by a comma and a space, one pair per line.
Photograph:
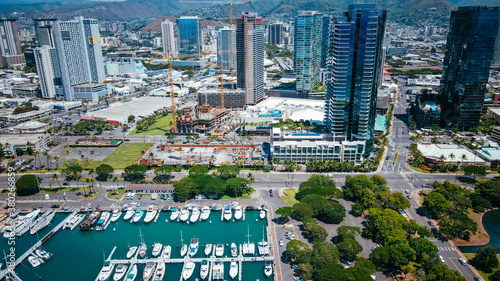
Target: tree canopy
28, 185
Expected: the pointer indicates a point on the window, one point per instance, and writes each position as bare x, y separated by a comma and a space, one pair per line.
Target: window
65, 34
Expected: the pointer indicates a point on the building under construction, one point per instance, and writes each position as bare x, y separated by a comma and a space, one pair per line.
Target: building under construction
204, 119
232, 98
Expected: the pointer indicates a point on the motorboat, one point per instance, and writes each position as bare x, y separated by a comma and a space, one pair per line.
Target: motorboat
219, 250
187, 270
195, 215
132, 273
262, 214
174, 215
131, 251
34, 261
142, 250
106, 271
218, 271
184, 250
184, 216
148, 271
101, 223
238, 213
204, 269
227, 213
165, 254
233, 269
116, 215
268, 269
208, 249
120, 272
42, 222
42, 254
74, 221
137, 215
205, 213
150, 215
193, 247
157, 247
160, 271
234, 250
89, 223
129, 214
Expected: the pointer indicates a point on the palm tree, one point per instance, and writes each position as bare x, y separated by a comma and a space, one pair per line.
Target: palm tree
464, 157
114, 180
57, 161
48, 160
35, 154
77, 178
54, 176
452, 157
250, 179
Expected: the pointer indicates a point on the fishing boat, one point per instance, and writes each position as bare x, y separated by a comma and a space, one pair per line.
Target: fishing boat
160, 271
42, 222
218, 271
268, 269
148, 270
90, 221
34, 261
219, 250
187, 270
262, 214
184, 216
137, 216
175, 214
74, 221
150, 215
238, 213
116, 215
234, 250
129, 214
193, 247
227, 213
42, 254
102, 221
132, 273
233, 269
120, 272
157, 247
106, 271
165, 254
205, 213
204, 269
195, 215
208, 249
131, 252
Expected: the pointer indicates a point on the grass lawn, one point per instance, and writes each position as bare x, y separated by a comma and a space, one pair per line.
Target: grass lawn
125, 154
485, 275
89, 197
116, 195
158, 128
289, 198
244, 196
63, 189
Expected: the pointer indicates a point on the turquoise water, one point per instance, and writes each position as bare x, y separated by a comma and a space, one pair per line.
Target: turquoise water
79, 255
491, 223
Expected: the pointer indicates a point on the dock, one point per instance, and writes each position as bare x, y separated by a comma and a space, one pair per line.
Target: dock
196, 260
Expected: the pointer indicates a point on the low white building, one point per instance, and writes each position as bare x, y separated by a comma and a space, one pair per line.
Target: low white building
91, 91
453, 154
123, 65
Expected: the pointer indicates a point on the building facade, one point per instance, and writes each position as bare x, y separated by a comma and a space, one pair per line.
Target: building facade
232, 98
10, 47
353, 71
325, 39
250, 56
226, 38
189, 35
470, 45
168, 39
275, 34
307, 51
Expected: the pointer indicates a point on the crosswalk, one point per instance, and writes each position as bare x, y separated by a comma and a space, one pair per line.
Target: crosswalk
402, 190
446, 249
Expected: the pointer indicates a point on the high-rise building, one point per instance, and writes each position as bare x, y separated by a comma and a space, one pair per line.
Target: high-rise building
325, 39
167, 34
10, 47
45, 32
224, 44
353, 73
250, 56
307, 51
275, 34
48, 70
470, 45
189, 35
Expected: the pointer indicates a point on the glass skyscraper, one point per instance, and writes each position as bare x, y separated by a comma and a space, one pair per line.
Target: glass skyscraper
470, 46
307, 51
189, 35
325, 37
224, 39
355, 55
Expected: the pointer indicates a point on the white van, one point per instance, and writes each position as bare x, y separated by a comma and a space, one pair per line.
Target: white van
129, 195
47, 197
154, 196
132, 195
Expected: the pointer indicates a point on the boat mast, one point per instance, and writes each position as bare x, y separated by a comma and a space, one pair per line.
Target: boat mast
182, 240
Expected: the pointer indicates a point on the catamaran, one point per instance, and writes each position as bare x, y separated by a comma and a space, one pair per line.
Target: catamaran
248, 247
233, 269
204, 269
165, 254
174, 215
234, 250
138, 215
208, 249
74, 221
150, 215
102, 221
195, 215
42, 222
193, 247
219, 250
184, 216
116, 215
263, 246
120, 272
227, 213
187, 270
218, 271
129, 214
131, 251
148, 270
238, 213
132, 273
160, 271
205, 213
157, 247
268, 268
106, 271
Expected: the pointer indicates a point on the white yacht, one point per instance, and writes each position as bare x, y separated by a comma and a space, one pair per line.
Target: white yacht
268, 268
193, 247
233, 269
129, 214
142, 250
34, 261
42, 254
26, 223
131, 252
208, 249
138, 215
116, 215
74, 221
174, 215
238, 213
187, 270
184, 250
150, 215
262, 214
219, 250
234, 250
195, 215
42, 222
106, 271
157, 247
218, 271
120, 272
227, 213
148, 271
165, 254
160, 271
205, 213
132, 273
101, 223
184, 216
204, 269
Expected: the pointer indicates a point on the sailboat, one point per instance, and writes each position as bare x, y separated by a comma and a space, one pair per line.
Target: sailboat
248, 248
184, 247
143, 248
233, 269
131, 251
132, 273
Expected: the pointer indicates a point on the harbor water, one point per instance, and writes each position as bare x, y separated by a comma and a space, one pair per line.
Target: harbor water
79, 256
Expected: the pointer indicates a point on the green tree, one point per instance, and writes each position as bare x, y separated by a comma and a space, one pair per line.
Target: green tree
299, 250
163, 173
131, 118
354, 187
198, 170
490, 190
284, 212
134, 172
436, 204
388, 259
186, 189
324, 253
423, 247
236, 186
329, 270
315, 232
458, 225
495, 276
28, 185
485, 259
302, 211
471, 170
441, 272
333, 213
349, 248
346, 231
103, 171
228, 171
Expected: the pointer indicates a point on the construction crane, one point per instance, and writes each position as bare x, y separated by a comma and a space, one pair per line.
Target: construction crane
221, 80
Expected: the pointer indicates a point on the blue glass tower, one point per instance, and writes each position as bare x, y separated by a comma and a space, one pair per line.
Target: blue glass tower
327, 19
355, 55
189, 35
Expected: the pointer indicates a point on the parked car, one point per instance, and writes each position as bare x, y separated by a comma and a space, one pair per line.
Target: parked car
462, 261
441, 259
